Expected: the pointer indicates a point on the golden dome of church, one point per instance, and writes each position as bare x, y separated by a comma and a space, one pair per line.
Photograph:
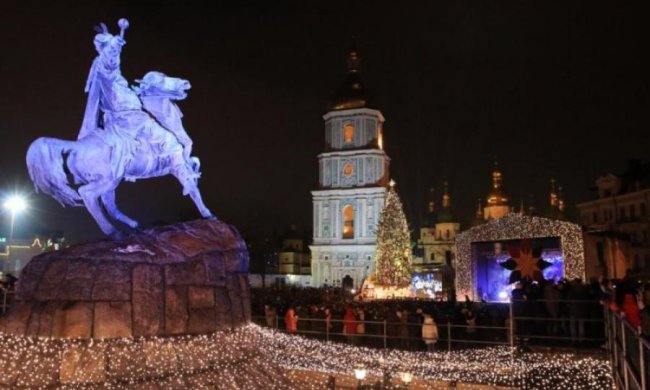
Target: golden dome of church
497, 205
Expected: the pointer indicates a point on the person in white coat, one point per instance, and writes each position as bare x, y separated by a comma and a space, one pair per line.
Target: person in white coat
429, 332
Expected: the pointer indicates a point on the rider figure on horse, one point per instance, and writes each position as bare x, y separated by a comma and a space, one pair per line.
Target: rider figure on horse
127, 134
115, 108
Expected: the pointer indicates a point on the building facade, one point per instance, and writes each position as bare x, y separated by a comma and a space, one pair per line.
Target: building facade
437, 242
617, 224
293, 259
353, 177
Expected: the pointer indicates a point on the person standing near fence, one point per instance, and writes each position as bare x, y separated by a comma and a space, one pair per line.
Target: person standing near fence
429, 332
645, 312
519, 310
361, 325
392, 317
291, 320
270, 314
350, 325
552, 305
577, 299
319, 321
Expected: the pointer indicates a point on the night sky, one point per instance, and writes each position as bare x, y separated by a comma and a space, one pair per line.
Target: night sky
555, 89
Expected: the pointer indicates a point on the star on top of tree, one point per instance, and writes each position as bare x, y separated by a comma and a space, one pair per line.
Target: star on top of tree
525, 263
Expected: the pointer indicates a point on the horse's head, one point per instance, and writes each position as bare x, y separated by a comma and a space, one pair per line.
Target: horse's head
159, 84
109, 48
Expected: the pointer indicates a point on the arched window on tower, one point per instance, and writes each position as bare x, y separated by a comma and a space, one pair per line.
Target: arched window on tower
348, 222
348, 133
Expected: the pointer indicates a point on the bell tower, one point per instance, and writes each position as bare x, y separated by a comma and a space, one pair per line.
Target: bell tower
353, 177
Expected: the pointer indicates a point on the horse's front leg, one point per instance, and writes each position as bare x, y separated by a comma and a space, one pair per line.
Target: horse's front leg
195, 194
187, 179
111, 208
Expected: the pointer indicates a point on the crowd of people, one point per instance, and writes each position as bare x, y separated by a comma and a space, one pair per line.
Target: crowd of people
337, 318
563, 313
630, 299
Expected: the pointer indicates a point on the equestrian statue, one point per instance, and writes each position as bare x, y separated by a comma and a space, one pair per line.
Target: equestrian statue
128, 133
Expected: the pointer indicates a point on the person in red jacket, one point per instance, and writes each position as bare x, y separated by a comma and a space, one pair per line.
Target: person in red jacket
291, 320
350, 325
626, 304
631, 311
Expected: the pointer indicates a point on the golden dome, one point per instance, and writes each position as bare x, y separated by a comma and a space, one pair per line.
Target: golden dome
496, 197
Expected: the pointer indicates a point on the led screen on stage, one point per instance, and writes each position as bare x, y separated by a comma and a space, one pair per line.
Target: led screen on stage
426, 285
492, 279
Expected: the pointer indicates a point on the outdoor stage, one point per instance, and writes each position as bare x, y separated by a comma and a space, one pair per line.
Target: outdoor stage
482, 251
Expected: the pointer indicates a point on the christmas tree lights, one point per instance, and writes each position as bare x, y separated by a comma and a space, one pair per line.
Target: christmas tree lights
394, 255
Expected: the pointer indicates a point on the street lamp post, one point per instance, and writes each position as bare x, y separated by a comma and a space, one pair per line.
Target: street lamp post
15, 204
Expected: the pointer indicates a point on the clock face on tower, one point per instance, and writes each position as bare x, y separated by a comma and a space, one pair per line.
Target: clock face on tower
348, 169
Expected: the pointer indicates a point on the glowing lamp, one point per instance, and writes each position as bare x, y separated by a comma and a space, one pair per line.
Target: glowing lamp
360, 373
503, 295
15, 204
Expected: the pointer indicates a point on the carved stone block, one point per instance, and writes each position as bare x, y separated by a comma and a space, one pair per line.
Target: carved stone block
176, 313
73, 320
112, 319
202, 321
201, 297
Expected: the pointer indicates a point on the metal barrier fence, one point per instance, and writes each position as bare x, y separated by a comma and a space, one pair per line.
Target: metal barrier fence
6, 296
629, 353
384, 334
580, 322
518, 327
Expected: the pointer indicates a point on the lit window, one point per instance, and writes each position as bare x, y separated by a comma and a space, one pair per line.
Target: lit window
348, 222
347, 169
348, 133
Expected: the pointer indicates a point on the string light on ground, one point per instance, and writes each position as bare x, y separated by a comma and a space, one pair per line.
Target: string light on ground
253, 357
497, 366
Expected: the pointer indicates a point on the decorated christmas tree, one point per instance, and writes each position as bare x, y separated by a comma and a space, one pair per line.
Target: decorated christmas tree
393, 244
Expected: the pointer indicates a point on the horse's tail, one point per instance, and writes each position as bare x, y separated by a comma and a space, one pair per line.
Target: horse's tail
46, 166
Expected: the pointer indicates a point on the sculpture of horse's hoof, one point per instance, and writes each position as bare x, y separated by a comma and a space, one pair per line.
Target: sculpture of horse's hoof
117, 235
212, 217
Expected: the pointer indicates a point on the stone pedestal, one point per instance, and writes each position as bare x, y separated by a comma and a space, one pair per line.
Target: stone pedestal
187, 278
125, 311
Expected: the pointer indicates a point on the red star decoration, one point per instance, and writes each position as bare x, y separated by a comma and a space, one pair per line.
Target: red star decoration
525, 263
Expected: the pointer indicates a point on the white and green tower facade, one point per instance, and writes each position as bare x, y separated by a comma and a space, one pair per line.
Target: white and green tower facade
353, 177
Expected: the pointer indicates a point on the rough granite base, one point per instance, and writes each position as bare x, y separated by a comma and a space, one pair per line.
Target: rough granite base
187, 278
